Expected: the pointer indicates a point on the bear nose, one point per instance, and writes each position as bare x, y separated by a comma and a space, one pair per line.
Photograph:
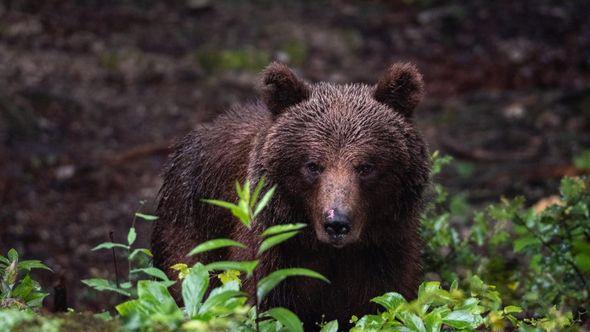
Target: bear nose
336, 223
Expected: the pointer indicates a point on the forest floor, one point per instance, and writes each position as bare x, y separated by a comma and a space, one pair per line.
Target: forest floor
93, 92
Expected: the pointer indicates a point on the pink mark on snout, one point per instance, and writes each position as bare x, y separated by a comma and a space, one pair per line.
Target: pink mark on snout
330, 214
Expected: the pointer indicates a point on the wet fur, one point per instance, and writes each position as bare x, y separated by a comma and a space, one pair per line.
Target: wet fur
336, 122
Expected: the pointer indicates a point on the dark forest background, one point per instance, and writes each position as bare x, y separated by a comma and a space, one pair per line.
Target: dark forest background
93, 92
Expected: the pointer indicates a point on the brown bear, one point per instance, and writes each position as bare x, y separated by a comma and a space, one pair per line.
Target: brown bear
346, 159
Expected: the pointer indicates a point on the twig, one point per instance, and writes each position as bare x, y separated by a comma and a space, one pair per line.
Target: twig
115, 261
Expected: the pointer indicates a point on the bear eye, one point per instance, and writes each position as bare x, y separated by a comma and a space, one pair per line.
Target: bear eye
365, 169
314, 169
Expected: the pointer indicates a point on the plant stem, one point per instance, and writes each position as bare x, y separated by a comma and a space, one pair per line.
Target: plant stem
114, 261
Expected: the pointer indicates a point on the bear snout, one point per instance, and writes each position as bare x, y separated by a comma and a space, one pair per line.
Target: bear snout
338, 227
337, 224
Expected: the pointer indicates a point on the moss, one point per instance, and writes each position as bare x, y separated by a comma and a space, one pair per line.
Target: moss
67, 322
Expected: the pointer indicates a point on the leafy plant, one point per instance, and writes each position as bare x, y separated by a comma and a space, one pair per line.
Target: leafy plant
225, 307
137, 263
438, 309
538, 257
17, 288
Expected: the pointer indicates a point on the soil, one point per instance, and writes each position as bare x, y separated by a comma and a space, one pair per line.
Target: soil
93, 92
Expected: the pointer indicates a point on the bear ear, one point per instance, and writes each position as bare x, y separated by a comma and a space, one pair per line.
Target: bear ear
281, 88
401, 88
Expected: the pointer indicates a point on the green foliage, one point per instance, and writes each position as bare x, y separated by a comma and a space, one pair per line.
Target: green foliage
17, 288
225, 307
540, 259
138, 263
437, 309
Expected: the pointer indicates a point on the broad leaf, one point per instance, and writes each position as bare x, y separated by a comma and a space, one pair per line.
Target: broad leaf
460, 319
245, 266
137, 251
390, 301
330, 327
104, 285
194, 286
215, 244
155, 297
266, 284
275, 240
219, 299
289, 320
154, 272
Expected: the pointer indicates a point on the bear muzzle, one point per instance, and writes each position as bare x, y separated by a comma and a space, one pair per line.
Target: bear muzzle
338, 226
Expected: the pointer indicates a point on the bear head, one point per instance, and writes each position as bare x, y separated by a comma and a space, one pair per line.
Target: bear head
347, 158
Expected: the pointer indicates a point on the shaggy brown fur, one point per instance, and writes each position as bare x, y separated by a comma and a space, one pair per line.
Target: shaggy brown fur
351, 149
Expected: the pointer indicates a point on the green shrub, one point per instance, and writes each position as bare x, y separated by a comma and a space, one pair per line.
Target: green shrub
17, 288
539, 259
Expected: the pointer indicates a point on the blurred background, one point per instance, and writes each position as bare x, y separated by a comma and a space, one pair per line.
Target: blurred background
93, 92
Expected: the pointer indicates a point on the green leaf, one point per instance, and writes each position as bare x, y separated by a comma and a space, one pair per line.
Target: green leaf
524, 242
215, 244
512, 309
256, 192
273, 230
331, 326
152, 271
427, 288
128, 308
24, 288
218, 299
131, 236
289, 320
266, 284
242, 213
245, 266
194, 286
104, 285
155, 297
413, 321
223, 204
433, 321
110, 245
275, 240
146, 217
461, 319
29, 265
12, 255
582, 261
137, 251
264, 201
390, 301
